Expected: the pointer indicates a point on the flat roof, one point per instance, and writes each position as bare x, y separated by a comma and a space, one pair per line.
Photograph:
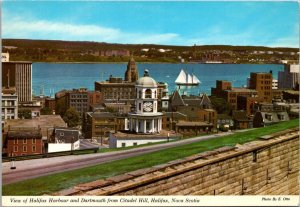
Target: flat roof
132, 135
190, 123
241, 90
43, 121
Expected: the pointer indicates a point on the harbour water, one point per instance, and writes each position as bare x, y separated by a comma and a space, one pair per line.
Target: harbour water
49, 78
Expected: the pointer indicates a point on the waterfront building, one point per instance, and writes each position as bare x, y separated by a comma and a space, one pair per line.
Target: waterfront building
18, 75
289, 78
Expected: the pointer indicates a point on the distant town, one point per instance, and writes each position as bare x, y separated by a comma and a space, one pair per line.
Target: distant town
74, 51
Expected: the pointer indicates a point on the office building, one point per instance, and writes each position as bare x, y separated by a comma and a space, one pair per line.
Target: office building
19, 76
289, 78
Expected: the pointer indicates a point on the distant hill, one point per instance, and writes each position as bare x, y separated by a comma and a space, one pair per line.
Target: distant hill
84, 51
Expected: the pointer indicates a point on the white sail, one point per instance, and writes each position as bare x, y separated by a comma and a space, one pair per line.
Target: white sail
181, 79
189, 79
185, 78
195, 79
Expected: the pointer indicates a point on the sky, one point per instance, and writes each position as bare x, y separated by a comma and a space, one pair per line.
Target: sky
268, 23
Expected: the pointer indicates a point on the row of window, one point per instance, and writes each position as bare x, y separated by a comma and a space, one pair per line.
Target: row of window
33, 141
79, 96
124, 144
24, 149
78, 100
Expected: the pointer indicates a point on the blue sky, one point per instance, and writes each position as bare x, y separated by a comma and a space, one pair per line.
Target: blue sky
274, 24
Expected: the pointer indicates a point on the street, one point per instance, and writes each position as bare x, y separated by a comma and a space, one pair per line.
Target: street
40, 167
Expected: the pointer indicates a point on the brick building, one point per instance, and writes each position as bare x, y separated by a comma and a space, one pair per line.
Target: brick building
100, 124
116, 89
226, 91
262, 83
81, 99
194, 114
24, 142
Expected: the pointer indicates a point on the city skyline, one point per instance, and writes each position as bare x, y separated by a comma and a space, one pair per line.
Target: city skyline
274, 24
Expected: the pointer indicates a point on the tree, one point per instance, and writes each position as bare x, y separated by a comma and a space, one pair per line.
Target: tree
220, 105
24, 114
71, 117
46, 111
60, 107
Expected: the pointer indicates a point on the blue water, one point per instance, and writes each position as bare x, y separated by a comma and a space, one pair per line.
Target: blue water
53, 77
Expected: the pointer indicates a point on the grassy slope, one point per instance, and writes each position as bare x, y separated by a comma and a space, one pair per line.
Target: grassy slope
56, 182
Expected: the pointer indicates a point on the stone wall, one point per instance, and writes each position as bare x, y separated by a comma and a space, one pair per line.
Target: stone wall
269, 166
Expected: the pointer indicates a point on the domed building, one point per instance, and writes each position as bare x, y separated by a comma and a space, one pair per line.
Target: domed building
146, 119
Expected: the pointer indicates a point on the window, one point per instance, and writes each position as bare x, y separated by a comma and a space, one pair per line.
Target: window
123, 144
33, 141
33, 148
140, 94
15, 148
140, 106
24, 141
24, 148
15, 141
148, 93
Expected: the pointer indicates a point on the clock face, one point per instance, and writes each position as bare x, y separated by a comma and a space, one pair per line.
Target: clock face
148, 106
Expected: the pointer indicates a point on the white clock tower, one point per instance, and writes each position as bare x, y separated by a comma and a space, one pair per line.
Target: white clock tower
145, 119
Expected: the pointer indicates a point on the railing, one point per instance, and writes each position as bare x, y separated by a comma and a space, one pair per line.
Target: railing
47, 155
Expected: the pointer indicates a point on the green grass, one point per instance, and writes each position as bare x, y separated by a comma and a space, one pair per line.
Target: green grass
59, 181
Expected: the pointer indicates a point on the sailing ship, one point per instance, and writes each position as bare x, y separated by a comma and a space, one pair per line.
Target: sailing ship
185, 78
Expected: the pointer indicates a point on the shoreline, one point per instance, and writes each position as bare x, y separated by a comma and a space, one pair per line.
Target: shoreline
159, 63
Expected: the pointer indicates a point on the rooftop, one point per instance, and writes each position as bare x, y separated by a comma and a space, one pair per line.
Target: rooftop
43, 121
242, 90
162, 134
190, 123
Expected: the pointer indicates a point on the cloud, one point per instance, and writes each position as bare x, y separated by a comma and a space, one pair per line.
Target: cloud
41, 29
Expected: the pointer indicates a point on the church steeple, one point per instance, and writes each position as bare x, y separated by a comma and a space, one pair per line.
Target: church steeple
131, 74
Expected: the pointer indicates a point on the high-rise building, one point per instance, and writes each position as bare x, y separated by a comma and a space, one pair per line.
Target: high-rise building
19, 76
262, 83
288, 78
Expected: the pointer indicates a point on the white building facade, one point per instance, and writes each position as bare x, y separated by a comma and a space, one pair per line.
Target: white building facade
9, 107
145, 118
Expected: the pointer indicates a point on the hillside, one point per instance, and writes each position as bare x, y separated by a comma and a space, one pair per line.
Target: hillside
79, 51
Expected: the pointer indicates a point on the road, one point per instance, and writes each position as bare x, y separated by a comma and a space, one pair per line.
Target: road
86, 144
40, 167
